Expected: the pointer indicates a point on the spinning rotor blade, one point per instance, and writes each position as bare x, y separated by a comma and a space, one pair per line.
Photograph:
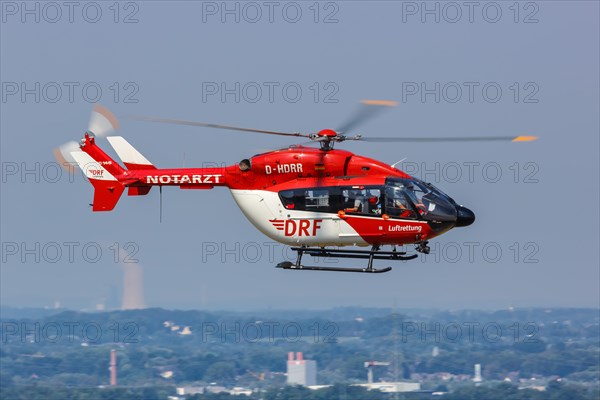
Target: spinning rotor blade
102, 121
217, 126
367, 110
447, 139
63, 154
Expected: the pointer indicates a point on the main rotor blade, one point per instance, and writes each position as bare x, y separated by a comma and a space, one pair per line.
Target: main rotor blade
367, 110
448, 139
207, 125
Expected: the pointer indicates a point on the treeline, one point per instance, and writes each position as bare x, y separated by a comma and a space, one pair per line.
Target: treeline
503, 391
226, 347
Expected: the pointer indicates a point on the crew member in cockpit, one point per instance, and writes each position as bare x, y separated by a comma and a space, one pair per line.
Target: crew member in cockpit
360, 202
398, 203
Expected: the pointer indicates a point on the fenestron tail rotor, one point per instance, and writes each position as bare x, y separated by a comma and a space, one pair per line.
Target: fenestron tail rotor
102, 122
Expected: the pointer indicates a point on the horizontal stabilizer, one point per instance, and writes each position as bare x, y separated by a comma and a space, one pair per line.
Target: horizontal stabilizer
138, 190
132, 158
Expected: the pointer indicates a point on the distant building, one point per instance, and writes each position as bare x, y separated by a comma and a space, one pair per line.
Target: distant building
477, 378
237, 391
300, 371
392, 387
190, 390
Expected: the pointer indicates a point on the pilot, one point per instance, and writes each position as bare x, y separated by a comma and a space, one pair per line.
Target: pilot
359, 201
410, 191
375, 205
398, 206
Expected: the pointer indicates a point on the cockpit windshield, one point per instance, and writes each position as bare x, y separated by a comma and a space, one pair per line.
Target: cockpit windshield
414, 199
405, 198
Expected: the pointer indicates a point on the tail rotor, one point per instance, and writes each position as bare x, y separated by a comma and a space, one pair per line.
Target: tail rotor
102, 123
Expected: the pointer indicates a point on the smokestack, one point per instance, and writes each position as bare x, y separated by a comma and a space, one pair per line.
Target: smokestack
113, 368
133, 285
299, 356
291, 356
477, 373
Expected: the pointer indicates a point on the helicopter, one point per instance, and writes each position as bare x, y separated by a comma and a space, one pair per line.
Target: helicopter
316, 200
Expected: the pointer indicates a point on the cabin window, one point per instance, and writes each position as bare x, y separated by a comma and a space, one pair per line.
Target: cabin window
317, 199
358, 199
362, 200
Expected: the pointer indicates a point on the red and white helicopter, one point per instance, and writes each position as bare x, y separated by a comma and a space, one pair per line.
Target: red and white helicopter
314, 199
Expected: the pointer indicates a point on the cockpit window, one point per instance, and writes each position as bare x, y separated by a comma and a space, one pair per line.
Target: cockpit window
405, 198
397, 204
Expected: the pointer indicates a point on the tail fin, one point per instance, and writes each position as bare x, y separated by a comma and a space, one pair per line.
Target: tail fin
132, 158
107, 189
97, 154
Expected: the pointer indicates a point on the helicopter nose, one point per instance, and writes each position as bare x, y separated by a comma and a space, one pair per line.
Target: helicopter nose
464, 216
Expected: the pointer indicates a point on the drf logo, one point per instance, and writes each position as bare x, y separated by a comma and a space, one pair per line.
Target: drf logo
301, 227
96, 172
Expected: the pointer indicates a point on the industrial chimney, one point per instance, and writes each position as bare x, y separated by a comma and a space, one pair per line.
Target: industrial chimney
477, 372
113, 368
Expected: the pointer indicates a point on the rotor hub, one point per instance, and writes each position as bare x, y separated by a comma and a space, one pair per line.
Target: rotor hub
327, 133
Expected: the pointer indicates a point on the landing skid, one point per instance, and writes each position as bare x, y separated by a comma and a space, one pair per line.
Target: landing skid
373, 254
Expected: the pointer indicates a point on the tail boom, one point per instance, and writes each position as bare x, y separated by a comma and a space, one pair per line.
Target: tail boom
110, 179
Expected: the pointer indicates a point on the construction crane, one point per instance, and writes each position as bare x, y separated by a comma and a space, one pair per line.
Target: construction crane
259, 376
369, 366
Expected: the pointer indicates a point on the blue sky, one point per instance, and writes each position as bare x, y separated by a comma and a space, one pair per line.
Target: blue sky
495, 69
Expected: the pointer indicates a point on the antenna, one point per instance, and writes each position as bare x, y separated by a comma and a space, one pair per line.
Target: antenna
398, 162
160, 204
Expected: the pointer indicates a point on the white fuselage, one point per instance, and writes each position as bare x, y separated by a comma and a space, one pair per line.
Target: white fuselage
292, 227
